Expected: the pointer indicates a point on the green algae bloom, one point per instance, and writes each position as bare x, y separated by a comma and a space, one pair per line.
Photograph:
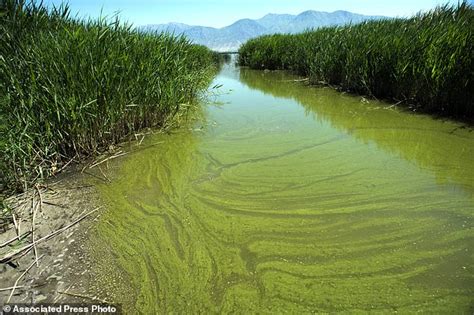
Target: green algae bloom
292, 199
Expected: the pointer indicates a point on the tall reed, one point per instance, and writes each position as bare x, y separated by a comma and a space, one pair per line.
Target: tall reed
426, 61
70, 88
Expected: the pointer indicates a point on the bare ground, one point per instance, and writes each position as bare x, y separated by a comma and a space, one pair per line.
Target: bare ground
57, 269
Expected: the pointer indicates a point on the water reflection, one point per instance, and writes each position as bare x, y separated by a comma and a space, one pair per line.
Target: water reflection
444, 147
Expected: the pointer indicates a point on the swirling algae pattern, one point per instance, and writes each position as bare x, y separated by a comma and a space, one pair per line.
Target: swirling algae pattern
293, 199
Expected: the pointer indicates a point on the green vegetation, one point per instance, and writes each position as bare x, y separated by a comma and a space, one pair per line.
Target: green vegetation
426, 61
71, 88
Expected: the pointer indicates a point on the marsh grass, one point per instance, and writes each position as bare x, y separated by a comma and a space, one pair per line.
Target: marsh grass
426, 61
70, 88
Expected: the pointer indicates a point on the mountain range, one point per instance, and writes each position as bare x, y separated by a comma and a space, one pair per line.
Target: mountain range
230, 38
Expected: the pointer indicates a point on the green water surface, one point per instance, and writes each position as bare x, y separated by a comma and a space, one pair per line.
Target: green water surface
297, 199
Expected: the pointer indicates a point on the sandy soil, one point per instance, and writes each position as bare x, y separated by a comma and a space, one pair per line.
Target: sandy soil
63, 270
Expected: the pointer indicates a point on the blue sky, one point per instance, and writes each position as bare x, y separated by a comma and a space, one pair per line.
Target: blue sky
218, 13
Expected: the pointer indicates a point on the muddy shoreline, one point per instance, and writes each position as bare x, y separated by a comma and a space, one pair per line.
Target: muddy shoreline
63, 272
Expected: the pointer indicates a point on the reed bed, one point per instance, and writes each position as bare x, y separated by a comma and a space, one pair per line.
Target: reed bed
70, 88
425, 61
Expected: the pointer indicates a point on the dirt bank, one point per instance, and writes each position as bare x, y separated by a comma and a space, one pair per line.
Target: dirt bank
62, 213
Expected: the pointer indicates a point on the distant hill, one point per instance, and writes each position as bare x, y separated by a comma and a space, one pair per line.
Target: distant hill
230, 38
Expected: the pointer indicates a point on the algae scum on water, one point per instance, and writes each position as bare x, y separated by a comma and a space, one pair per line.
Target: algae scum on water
293, 199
